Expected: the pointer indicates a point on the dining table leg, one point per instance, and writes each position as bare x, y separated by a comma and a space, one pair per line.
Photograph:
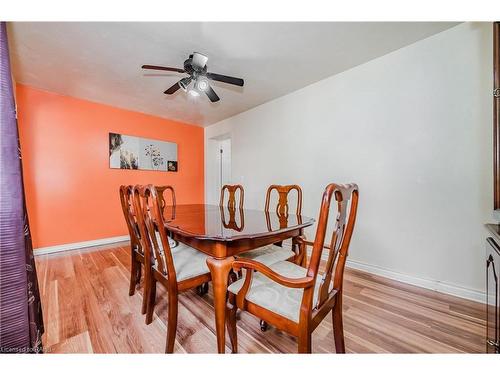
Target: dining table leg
219, 269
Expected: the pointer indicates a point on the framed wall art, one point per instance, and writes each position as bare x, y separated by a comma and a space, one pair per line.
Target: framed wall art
129, 152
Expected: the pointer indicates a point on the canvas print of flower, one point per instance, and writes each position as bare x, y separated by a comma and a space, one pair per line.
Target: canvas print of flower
154, 155
156, 161
127, 152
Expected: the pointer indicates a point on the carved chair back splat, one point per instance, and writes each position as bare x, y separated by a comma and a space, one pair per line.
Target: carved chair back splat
232, 189
282, 209
283, 191
163, 201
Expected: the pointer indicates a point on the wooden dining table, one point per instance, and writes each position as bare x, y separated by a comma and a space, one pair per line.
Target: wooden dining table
222, 234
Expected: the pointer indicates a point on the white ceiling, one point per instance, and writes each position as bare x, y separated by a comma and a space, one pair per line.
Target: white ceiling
102, 62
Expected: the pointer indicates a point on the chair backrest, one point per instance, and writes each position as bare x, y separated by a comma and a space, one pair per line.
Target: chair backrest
232, 189
163, 201
154, 240
346, 197
282, 204
126, 199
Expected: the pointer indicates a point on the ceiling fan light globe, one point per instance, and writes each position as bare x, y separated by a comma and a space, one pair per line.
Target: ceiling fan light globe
202, 84
193, 93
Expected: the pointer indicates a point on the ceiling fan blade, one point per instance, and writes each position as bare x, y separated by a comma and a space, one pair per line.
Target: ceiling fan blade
156, 67
172, 89
199, 60
226, 79
211, 94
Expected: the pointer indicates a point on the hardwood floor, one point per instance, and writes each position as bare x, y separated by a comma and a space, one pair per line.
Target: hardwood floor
87, 310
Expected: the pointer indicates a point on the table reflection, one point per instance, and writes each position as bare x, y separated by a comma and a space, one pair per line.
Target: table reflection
232, 222
214, 222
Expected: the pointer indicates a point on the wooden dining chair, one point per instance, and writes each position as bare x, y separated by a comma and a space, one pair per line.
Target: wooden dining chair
177, 269
296, 299
231, 202
137, 252
276, 252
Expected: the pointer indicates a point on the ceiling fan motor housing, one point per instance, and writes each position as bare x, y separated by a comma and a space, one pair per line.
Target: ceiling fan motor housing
190, 69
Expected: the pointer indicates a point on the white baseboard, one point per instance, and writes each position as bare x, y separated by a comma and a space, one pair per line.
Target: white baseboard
79, 245
438, 286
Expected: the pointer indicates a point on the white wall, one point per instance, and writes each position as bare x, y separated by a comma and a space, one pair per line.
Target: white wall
413, 129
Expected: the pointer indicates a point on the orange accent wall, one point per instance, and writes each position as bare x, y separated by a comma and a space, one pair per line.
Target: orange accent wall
71, 193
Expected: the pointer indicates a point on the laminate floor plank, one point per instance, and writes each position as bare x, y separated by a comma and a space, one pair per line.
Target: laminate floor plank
87, 309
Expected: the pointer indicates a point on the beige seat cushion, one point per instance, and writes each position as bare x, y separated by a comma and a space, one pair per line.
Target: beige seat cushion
275, 297
171, 241
188, 262
268, 255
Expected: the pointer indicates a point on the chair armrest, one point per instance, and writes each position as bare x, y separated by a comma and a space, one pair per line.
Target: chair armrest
302, 282
303, 241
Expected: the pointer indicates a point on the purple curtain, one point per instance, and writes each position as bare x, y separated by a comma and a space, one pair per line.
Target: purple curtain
21, 322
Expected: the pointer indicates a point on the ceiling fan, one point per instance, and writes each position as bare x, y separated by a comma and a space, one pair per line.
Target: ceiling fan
196, 67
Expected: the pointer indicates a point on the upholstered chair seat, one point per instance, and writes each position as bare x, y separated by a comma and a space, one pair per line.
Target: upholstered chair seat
188, 262
274, 296
269, 254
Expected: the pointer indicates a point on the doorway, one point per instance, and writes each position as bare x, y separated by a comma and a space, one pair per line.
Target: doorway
218, 166
224, 161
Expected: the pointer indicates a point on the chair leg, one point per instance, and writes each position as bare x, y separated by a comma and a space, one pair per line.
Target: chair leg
301, 258
139, 273
233, 277
172, 322
304, 342
231, 322
144, 288
145, 296
202, 289
145, 291
338, 327
150, 300
133, 276
263, 325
